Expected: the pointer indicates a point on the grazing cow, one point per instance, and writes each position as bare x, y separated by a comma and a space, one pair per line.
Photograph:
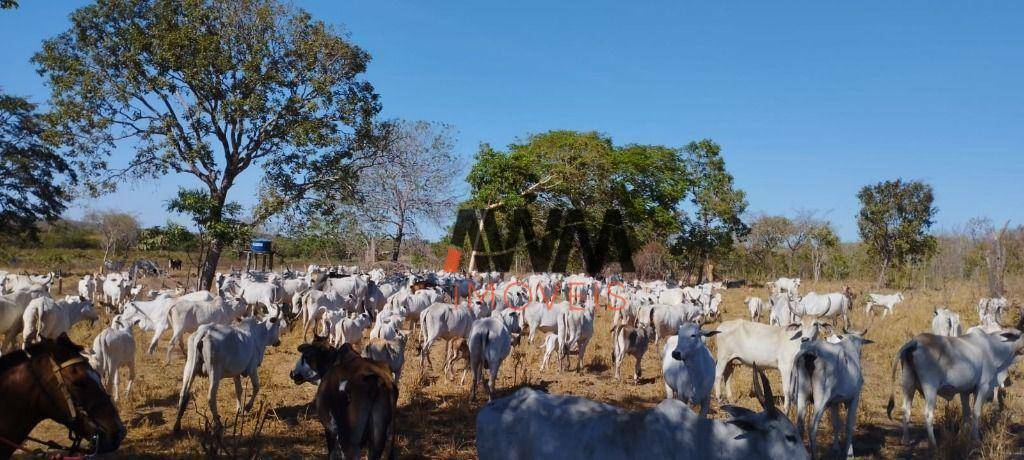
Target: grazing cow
946, 322
631, 341
756, 307
575, 329
188, 315
443, 321
46, 318
113, 349
490, 341
688, 367
12, 310
831, 305
458, 350
969, 365
391, 352
991, 310
220, 351
829, 375
887, 302
762, 345
532, 424
356, 399
87, 286
346, 329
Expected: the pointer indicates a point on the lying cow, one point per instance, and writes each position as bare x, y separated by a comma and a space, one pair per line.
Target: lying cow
356, 399
532, 424
688, 367
219, 351
969, 365
829, 374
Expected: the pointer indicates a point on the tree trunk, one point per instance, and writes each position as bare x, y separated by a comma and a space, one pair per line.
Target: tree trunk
476, 241
398, 244
209, 267
371, 250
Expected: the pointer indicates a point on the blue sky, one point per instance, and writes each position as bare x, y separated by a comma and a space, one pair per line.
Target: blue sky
809, 100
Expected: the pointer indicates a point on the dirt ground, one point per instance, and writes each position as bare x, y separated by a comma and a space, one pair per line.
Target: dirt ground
436, 418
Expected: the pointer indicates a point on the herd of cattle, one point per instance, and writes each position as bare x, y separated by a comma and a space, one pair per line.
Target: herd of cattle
361, 323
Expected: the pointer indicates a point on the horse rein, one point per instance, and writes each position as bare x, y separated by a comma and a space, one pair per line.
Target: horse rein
75, 411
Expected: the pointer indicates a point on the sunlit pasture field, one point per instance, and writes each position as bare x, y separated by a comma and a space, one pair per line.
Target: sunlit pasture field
436, 417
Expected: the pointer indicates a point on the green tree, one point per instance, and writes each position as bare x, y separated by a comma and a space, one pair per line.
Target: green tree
30, 170
713, 223
212, 88
218, 224
894, 220
823, 243
581, 170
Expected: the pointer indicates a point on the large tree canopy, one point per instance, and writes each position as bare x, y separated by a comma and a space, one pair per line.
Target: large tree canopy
210, 88
894, 220
30, 170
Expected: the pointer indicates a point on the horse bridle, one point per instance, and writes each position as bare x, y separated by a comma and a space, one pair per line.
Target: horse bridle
76, 412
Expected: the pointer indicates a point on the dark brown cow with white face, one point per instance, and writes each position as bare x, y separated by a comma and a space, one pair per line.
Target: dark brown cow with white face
356, 399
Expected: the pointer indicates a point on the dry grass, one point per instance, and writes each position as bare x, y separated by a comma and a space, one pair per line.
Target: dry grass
437, 421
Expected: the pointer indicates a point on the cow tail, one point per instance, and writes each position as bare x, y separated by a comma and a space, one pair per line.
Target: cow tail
193, 361
904, 357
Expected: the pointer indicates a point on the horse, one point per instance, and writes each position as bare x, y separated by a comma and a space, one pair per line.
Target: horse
51, 379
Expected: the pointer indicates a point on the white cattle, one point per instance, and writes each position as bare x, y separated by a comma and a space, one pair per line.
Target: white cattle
542, 317
268, 293
117, 289
887, 302
387, 325
832, 305
759, 344
688, 368
829, 375
14, 282
12, 310
313, 303
490, 341
676, 296
946, 322
533, 424
785, 285
87, 286
443, 321
347, 329
969, 365
756, 307
391, 352
353, 287
220, 351
630, 341
46, 318
990, 310
782, 306
666, 319
113, 349
186, 315
151, 315
575, 329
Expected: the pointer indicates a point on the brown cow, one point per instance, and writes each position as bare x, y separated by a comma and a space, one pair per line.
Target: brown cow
458, 350
356, 399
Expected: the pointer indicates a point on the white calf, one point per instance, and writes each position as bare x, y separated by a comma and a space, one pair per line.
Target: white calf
490, 341
113, 349
391, 352
887, 302
756, 307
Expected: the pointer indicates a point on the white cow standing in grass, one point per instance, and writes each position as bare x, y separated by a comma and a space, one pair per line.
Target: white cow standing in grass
47, 318
688, 367
113, 349
887, 302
